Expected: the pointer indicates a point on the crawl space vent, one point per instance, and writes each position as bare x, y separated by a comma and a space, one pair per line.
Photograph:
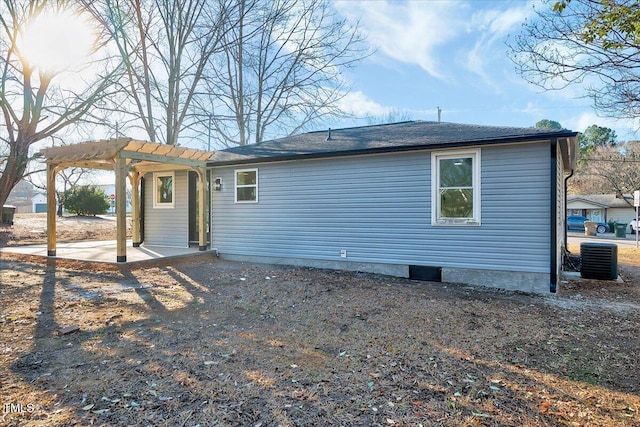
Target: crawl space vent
427, 274
599, 261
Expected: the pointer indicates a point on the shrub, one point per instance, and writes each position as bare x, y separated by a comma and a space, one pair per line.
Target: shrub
86, 200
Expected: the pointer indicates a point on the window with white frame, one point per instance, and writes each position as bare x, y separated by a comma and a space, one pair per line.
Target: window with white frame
163, 186
455, 194
246, 185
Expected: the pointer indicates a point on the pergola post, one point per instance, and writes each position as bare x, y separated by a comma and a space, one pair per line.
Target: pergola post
121, 209
134, 179
51, 209
202, 211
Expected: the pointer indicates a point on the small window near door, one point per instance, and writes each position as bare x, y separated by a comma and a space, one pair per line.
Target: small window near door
246, 185
163, 196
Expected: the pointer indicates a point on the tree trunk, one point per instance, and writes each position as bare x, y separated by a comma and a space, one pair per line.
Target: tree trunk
14, 169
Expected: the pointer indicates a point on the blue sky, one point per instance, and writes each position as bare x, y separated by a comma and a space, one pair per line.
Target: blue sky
453, 55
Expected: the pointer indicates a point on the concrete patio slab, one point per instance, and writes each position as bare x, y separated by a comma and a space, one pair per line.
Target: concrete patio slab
101, 251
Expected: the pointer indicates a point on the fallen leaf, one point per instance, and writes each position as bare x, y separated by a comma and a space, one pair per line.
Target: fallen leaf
480, 414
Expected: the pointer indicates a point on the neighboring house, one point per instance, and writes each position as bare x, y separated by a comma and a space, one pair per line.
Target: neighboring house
22, 206
602, 207
20, 197
39, 203
440, 201
110, 191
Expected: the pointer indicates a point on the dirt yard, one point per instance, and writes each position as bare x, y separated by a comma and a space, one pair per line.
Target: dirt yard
206, 342
32, 229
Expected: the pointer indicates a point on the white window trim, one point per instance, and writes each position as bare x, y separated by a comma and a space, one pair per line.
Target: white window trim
435, 180
236, 186
164, 205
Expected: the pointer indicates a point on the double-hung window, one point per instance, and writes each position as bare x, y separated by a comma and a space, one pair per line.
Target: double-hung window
455, 197
246, 185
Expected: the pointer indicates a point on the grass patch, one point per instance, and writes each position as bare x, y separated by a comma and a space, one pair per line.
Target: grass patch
626, 255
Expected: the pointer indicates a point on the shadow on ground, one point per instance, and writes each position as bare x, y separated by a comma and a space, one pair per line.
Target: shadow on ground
208, 342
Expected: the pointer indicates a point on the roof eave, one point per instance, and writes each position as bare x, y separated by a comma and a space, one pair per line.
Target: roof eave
590, 202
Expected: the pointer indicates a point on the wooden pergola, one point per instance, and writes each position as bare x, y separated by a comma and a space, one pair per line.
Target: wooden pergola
128, 158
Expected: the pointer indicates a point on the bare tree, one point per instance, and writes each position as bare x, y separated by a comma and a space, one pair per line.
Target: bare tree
166, 45
609, 169
392, 116
591, 43
65, 178
280, 70
34, 102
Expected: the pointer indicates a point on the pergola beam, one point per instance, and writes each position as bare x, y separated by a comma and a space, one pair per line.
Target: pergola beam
101, 165
162, 158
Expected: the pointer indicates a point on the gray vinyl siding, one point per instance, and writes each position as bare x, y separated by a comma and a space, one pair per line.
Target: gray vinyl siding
167, 226
378, 208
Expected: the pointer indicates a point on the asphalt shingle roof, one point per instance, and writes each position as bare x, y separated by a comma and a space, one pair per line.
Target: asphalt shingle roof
404, 136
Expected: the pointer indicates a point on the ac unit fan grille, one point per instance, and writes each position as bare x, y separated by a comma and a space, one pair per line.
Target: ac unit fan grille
599, 261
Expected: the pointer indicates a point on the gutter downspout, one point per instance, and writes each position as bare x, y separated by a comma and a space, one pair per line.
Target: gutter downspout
565, 209
553, 245
142, 185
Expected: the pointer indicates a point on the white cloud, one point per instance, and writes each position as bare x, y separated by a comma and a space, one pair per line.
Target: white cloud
477, 61
501, 19
409, 32
489, 29
584, 120
435, 34
532, 109
359, 105
626, 129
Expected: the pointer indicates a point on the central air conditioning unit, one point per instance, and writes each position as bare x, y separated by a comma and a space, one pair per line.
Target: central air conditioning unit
599, 261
